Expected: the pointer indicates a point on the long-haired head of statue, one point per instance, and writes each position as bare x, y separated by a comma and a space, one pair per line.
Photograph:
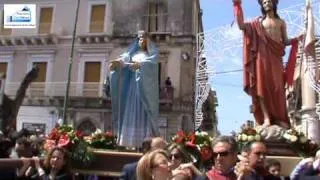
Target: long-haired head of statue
265, 7
142, 39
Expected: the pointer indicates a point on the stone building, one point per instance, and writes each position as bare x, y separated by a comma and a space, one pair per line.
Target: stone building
104, 30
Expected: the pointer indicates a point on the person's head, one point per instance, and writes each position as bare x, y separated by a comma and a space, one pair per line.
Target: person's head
256, 153
153, 165
5, 147
146, 145
23, 147
224, 153
23, 133
176, 156
268, 6
158, 143
57, 159
142, 39
273, 167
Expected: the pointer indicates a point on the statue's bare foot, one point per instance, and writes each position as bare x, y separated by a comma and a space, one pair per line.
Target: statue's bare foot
266, 123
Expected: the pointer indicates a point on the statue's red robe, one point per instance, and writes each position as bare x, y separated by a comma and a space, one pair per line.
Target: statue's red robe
264, 73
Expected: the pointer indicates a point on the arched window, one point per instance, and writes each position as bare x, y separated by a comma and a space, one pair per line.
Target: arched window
87, 127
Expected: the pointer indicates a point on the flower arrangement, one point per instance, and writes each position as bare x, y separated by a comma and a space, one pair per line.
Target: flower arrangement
65, 136
198, 144
300, 143
102, 140
247, 136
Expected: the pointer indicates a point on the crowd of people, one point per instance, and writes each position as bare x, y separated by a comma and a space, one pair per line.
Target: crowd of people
163, 162
160, 160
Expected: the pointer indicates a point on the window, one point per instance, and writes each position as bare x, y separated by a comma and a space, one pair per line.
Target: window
157, 14
45, 20
4, 31
153, 14
87, 127
3, 67
97, 18
42, 71
92, 72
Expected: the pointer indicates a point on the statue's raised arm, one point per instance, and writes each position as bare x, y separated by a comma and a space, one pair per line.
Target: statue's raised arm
238, 13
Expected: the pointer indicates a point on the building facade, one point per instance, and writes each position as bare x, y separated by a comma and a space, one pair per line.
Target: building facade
104, 30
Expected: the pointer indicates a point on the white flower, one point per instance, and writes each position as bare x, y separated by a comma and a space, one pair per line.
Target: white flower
293, 138
244, 137
203, 133
33, 138
257, 137
198, 147
98, 131
303, 139
211, 139
197, 133
250, 138
286, 136
239, 137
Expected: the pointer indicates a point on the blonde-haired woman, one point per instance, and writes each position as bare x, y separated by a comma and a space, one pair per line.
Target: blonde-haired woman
154, 166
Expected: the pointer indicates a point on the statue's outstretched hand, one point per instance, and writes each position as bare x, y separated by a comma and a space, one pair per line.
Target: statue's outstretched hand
115, 64
134, 66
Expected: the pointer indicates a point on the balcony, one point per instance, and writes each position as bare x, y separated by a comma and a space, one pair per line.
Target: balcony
57, 89
86, 90
166, 95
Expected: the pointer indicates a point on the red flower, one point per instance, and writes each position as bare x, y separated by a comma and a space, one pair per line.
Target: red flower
181, 137
206, 153
190, 144
64, 141
54, 135
192, 138
108, 134
79, 134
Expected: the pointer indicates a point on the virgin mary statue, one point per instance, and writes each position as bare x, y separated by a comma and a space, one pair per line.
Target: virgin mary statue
135, 92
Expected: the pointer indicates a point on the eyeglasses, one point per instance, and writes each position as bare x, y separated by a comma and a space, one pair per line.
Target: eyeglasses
221, 154
176, 156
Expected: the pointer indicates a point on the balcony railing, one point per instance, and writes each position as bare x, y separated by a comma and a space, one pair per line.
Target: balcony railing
58, 89
55, 89
166, 95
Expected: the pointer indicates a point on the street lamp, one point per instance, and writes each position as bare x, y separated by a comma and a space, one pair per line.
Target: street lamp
66, 97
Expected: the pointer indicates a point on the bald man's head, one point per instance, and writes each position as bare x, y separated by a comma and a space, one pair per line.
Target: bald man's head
158, 143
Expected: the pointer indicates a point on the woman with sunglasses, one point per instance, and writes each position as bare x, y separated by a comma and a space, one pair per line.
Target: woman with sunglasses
181, 162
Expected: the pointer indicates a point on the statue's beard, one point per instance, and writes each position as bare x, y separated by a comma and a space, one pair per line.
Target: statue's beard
268, 9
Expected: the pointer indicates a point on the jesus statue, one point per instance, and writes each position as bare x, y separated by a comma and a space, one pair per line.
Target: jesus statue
265, 39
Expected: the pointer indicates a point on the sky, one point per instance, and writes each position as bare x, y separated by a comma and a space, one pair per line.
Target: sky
233, 103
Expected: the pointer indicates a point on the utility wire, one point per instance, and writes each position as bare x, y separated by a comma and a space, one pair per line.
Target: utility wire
227, 72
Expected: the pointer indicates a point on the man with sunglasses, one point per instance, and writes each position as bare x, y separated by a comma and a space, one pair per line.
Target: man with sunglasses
225, 157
